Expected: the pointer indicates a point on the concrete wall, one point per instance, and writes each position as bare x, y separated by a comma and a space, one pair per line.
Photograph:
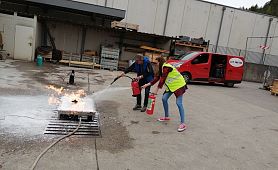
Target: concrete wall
7, 28
260, 73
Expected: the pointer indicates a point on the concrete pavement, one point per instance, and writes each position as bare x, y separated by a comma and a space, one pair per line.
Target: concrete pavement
229, 128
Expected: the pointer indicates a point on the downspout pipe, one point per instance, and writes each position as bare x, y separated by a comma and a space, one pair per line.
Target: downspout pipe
266, 39
166, 18
220, 28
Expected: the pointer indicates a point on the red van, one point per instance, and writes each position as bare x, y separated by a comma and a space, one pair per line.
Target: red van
210, 67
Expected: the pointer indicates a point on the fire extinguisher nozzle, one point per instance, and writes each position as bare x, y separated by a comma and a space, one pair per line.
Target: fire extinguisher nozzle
115, 79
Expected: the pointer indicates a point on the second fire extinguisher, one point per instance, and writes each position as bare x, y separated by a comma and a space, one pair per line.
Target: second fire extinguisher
151, 104
135, 88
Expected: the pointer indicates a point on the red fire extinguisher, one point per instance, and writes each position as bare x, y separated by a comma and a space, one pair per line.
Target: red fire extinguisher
135, 88
151, 103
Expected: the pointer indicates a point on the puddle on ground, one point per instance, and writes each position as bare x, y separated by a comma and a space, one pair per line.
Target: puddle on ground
155, 132
134, 122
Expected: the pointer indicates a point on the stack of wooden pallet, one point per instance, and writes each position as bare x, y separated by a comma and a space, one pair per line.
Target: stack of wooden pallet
274, 87
124, 25
154, 53
74, 60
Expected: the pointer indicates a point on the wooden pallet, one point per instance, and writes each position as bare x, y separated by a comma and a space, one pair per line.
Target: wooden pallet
274, 93
274, 87
157, 50
124, 25
81, 64
189, 44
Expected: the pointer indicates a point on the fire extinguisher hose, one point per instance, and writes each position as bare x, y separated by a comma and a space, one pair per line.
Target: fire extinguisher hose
129, 77
120, 77
54, 143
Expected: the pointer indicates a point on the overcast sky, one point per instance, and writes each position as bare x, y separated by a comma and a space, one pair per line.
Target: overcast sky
240, 3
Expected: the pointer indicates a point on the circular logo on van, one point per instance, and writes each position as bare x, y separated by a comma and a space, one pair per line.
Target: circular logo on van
236, 62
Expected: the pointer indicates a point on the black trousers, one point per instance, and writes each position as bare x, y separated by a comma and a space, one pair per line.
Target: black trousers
139, 97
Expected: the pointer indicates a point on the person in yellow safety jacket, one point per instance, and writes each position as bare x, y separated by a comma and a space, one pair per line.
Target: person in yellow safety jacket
175, 84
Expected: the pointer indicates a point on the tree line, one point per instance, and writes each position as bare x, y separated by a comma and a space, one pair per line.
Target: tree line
270, 8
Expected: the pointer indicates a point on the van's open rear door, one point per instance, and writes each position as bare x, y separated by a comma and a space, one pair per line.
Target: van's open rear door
234, 69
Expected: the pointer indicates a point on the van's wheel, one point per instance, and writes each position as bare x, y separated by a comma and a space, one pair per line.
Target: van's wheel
187, 77
229, 84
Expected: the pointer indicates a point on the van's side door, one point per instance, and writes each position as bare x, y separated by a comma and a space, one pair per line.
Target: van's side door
235, 68
200, 66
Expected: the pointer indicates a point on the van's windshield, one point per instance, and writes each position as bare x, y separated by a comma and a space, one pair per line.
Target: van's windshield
186, 56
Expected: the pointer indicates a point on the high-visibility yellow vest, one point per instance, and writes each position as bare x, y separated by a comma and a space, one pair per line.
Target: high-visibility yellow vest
174, 80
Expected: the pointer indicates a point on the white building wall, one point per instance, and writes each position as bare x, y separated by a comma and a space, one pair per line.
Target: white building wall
212, 26
143, 16
95, 2
7, 27
174, 21
260, 27
226, 28
241, 28
119, 4
160, 17
194, 27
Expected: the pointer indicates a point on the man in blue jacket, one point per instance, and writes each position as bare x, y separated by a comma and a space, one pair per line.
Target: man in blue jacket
142, 66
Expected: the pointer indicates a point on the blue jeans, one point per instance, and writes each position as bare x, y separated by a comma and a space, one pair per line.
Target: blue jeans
178, 102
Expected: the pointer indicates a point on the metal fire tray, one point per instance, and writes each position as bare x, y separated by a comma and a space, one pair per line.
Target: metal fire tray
70, 115
64, 127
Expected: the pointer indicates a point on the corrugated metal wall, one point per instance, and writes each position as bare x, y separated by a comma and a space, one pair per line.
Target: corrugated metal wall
196, 18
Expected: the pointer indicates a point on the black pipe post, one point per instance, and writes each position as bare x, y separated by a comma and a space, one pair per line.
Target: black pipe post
166, 18
246, 45
266, 39
220, 28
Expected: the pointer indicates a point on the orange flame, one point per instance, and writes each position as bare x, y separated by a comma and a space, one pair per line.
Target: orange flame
54, 99
58, 90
